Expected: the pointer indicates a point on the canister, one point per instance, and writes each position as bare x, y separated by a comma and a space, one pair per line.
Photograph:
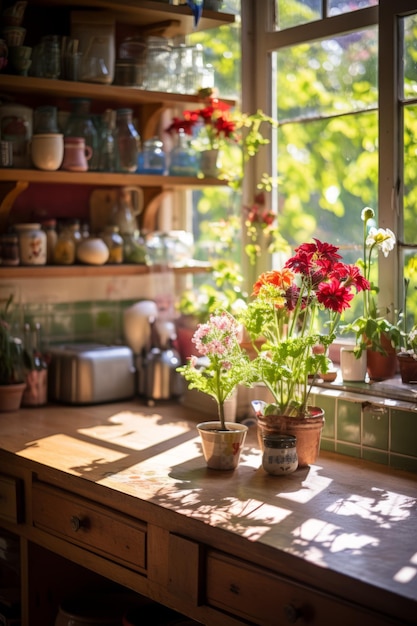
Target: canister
32, 244
280, 454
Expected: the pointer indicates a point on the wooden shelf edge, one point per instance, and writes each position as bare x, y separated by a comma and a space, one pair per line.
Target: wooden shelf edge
96, 91
82, 271
105, 179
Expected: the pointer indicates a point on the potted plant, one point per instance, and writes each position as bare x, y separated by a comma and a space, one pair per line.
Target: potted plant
223, 366
296, 311
373, 331
216, 127
12, 375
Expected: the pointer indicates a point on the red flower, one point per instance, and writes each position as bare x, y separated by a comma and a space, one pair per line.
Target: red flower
334, 295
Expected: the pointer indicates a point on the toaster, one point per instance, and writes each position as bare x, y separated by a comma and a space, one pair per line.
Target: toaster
91, 373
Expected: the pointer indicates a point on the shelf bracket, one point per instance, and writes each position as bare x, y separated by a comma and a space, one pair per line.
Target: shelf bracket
153, 199
8, 194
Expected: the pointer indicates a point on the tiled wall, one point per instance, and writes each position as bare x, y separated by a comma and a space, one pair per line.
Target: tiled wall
368, 427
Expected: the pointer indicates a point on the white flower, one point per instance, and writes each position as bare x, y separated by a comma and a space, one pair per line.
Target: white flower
383, 238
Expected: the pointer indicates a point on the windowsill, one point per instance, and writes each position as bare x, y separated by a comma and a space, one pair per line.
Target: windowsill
391, 389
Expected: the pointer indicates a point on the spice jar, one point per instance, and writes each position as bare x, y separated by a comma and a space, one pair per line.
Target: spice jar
114, 242
64, 251
280, 454
32, 244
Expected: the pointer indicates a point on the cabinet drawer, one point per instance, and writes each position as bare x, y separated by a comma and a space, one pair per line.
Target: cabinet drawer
266, 599
99, 529
11, 499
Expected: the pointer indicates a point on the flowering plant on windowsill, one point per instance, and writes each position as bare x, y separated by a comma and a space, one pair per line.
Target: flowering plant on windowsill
227, 365
285, 313
373, 325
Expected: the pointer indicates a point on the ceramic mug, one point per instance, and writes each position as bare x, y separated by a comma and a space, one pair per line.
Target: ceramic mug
47, 151
76, 154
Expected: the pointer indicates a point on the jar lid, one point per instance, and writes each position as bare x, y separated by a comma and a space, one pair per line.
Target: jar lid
279, 441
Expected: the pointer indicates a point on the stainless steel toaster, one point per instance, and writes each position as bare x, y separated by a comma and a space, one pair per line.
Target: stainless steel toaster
91, 373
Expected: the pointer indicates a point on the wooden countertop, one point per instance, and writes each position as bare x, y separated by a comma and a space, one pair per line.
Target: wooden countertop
344, 520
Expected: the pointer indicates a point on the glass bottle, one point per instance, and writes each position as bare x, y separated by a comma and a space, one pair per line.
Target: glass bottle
36, 391
80, 124
152, 158
184, 161
127, 141
107, 144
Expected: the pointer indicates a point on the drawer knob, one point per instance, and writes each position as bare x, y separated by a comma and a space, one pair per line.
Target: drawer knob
291, 613
77, 523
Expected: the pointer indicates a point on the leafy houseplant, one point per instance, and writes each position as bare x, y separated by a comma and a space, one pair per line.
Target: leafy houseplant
285, 312
225, 366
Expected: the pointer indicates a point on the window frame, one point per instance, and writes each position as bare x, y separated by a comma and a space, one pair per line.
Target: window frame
258, 43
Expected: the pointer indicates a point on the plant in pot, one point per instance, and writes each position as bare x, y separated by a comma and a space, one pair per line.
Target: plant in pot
222, 367
215, 129
12, 374
296, 311
374, 333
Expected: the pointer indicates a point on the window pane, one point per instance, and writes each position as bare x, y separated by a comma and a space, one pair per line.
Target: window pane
410, 174
291, 13
408, 28
328, 77
335, 7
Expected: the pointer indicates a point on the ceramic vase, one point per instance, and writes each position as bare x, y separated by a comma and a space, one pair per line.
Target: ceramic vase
307, 430
352, 369
208, 163
222, 448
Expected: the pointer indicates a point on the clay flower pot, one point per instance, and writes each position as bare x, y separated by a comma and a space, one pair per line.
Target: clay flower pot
408, 367
307, 430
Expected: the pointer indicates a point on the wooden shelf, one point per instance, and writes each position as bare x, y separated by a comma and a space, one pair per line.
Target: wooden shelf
105, 179
148, 14
80, 271
28, 85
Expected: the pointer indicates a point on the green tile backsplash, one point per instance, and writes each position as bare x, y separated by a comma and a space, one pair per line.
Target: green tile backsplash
377, 429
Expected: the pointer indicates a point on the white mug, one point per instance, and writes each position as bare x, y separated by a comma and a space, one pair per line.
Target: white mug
352, 369
47, 151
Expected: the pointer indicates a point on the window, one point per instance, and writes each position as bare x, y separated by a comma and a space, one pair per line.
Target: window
347, 112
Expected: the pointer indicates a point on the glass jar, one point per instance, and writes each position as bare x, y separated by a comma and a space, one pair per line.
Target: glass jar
114, 242
107, 143
80, 124
152, 159
127, 141
50, 56
280, 454
9, 250
49, 226
184, 161
66, 246
159, 64
32, 244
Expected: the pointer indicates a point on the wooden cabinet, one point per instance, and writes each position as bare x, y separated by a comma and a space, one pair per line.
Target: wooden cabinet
119, 497
148, 17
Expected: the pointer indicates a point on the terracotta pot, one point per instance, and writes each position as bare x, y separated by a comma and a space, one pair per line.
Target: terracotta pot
222, 448
381, 366
11, 397
307, 431
408, 367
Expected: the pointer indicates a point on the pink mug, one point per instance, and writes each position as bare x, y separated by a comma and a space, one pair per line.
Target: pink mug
76, 154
